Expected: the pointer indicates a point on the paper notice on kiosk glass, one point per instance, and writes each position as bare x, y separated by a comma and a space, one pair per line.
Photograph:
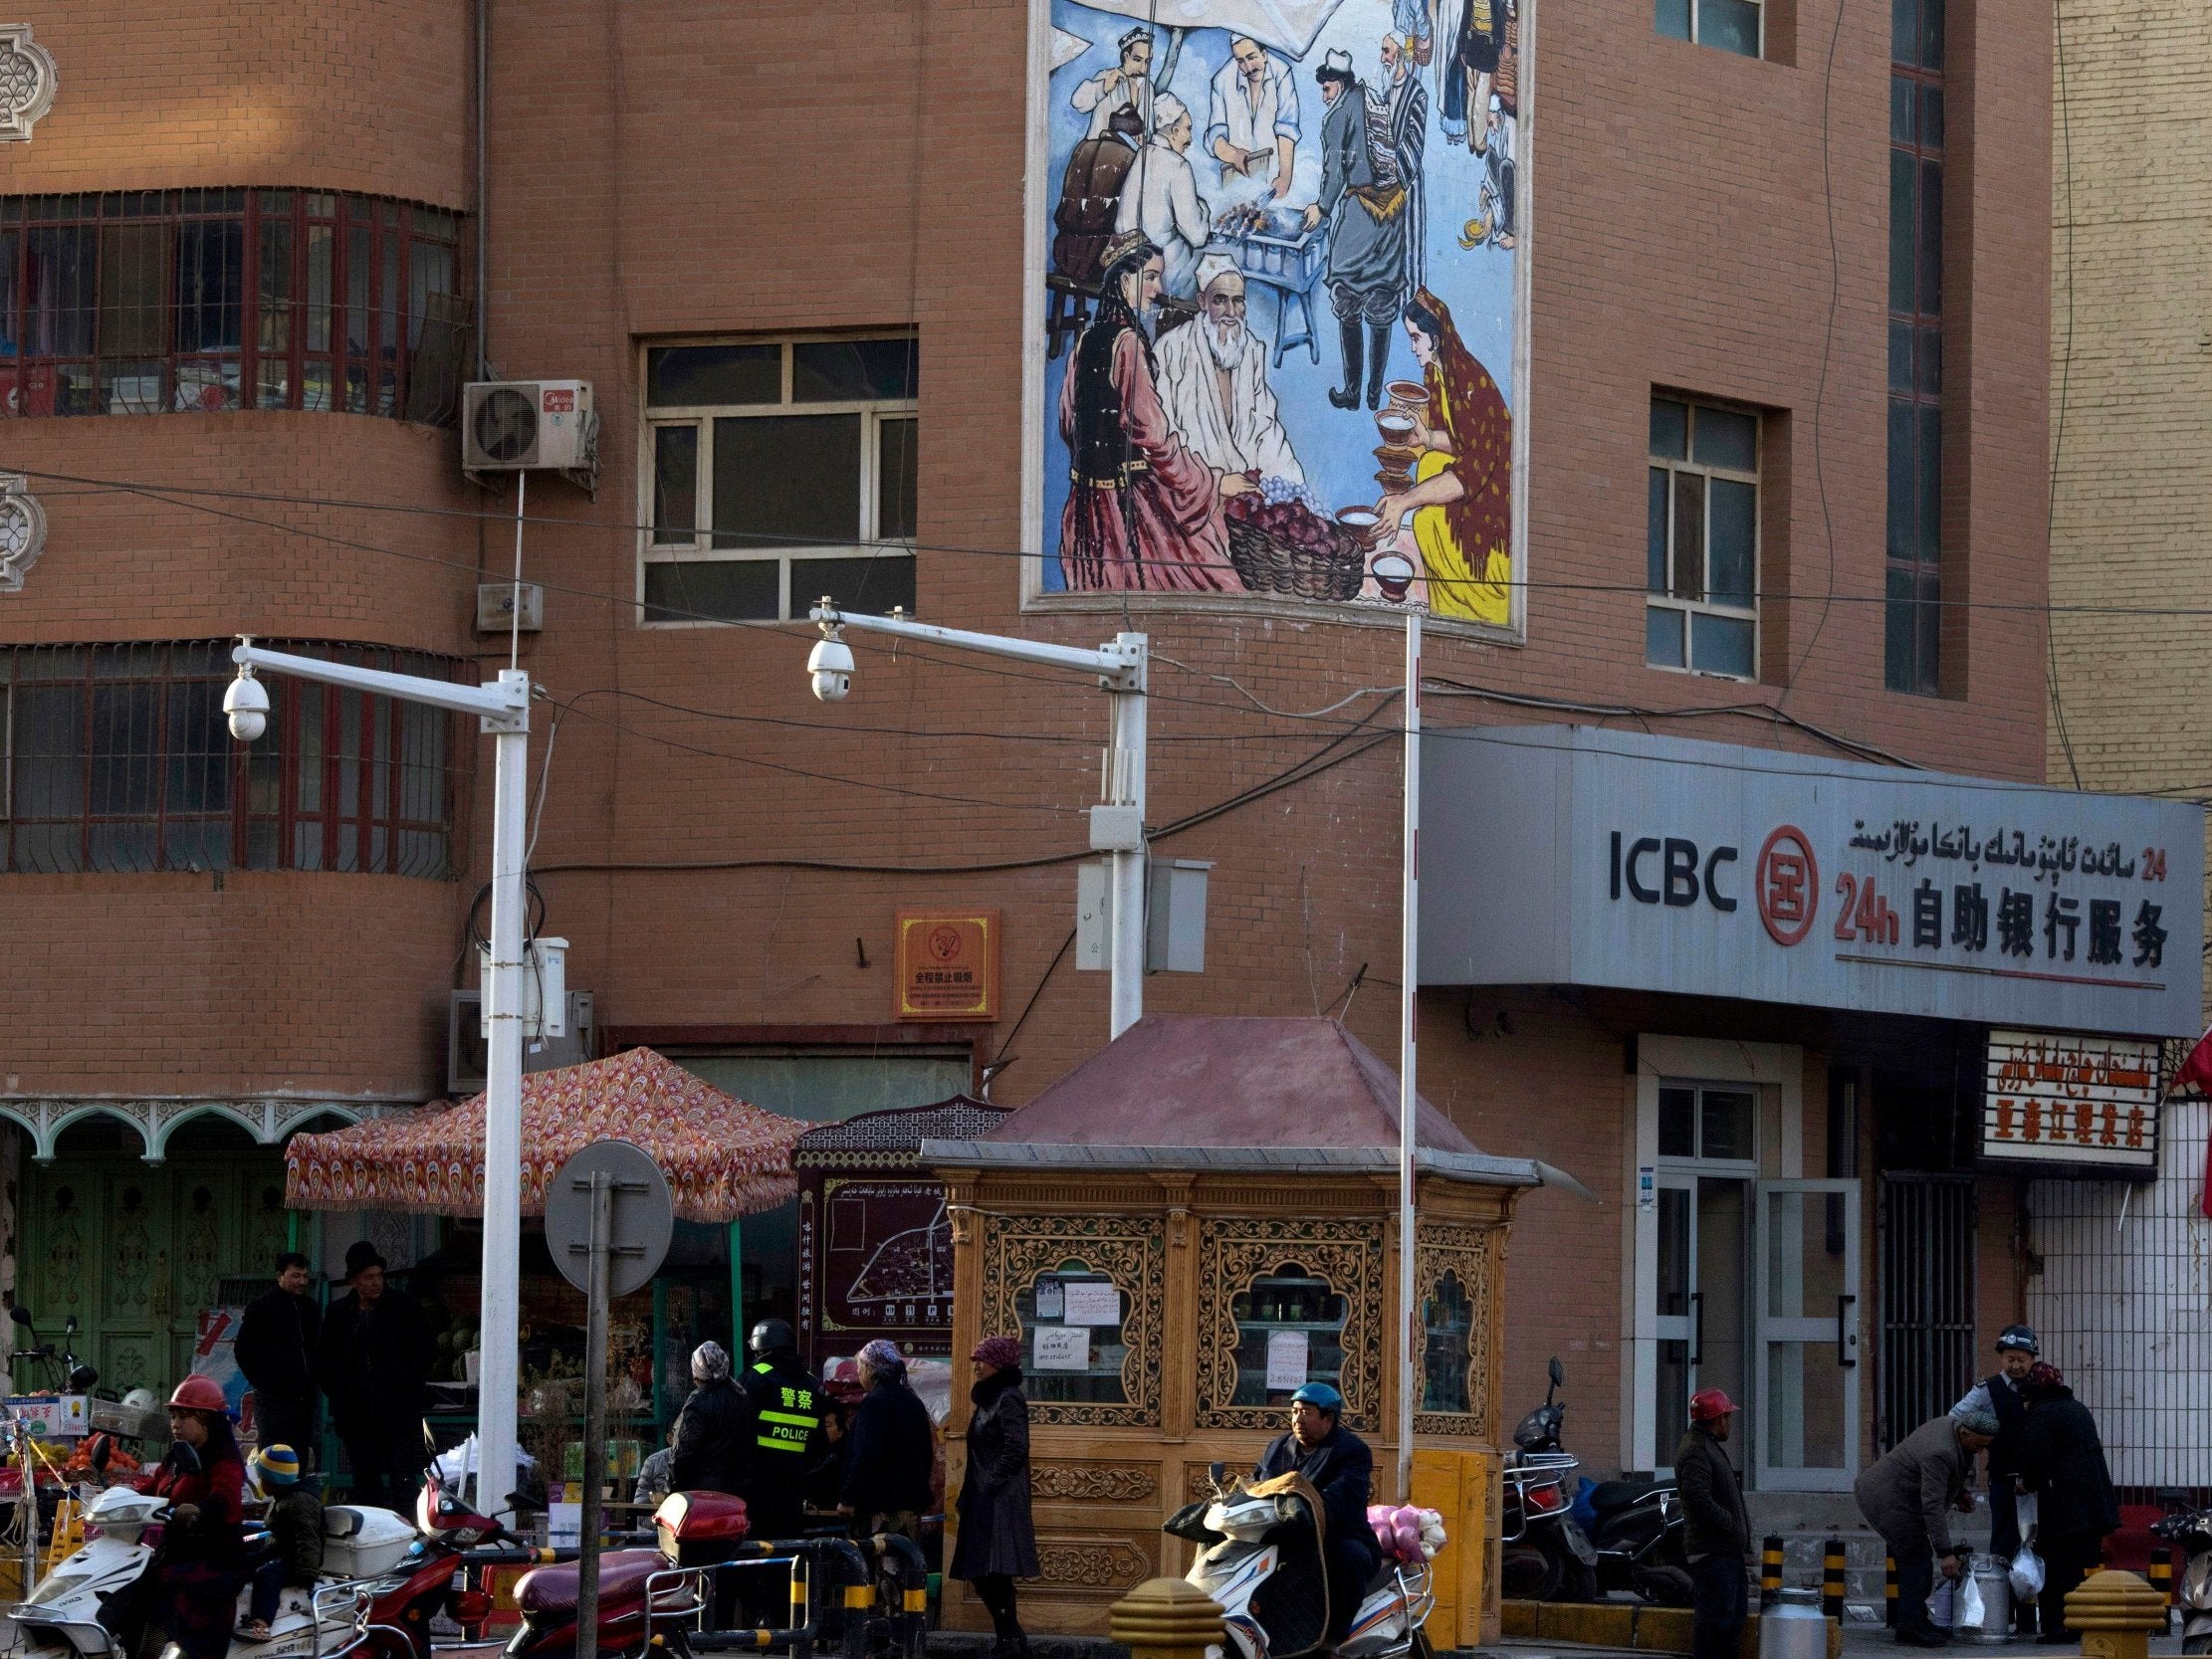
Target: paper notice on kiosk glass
1286, 1359
1092, 1302
1063, 1348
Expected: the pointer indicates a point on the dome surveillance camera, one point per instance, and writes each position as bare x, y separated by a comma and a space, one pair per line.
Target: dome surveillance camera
246, 704
830, 666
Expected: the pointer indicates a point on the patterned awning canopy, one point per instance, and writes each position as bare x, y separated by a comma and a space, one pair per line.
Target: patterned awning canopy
722, 1157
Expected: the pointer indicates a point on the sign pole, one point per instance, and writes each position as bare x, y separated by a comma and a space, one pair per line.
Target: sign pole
1409, 1094
594, 1414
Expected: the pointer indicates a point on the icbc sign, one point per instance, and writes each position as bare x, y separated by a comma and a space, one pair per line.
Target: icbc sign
1789, 885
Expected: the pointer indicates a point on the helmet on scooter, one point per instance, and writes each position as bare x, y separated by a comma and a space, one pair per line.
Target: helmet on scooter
2021, 1336
199, 1393
1321, 1397
1709, 1405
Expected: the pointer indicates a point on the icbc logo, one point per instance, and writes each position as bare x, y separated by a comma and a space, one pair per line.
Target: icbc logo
1789, 885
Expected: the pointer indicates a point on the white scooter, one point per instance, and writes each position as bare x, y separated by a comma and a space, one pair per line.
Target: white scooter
1260, 1558
61, 1618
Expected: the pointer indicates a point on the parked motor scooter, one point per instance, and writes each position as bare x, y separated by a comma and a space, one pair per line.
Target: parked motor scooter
1543, 1554
2190, 1531
1261, 1558
376, 1569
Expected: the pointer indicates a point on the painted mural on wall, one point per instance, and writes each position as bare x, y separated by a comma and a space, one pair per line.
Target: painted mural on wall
1280, 240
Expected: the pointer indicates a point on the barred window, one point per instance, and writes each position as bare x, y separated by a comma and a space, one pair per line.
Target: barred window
117, 758
172, 301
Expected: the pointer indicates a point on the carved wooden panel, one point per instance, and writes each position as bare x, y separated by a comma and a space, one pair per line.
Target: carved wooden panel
1233, 1252
1093, 1483
1469, 1256
1093, 1562
1131, 1251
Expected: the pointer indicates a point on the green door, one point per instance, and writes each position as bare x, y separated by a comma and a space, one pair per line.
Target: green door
135, 1250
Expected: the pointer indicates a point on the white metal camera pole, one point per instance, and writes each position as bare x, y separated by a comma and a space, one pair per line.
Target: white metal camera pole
504, 709
1123, 665
1408, 1092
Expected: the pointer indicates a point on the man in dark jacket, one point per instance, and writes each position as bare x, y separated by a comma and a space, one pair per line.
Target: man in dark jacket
2017, 1349
894, 1449
2062, 1460
276, 1350
712, 1429
1339, 1465
1716, 1533
786, 1432
374, 1359
1907, 1497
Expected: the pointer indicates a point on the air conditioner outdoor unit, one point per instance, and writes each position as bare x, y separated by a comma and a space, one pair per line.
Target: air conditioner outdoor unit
519, 426
465, 1055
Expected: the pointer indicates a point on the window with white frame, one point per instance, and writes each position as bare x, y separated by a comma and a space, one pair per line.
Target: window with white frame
776, 473
1737, 26
1702, 540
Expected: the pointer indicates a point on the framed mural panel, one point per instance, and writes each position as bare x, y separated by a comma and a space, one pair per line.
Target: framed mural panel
1276, 315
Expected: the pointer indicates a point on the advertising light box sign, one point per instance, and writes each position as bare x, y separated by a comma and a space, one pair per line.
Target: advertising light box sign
2062, 1104
1570, 856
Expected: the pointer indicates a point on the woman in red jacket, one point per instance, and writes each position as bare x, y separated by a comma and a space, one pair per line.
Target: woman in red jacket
193, 1589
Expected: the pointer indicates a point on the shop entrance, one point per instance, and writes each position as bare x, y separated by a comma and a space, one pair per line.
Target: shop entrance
1756, 1293
135, 1249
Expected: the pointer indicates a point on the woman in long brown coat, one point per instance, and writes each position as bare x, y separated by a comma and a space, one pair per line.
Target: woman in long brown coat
998, 1539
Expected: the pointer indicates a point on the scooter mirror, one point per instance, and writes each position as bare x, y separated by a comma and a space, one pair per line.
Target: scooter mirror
97, 1453
81, 1380
1558, 1371
20, 1314
1217, 1470
69, 1326
183, 1458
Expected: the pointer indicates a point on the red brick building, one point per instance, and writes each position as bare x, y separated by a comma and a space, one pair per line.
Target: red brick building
1705, 234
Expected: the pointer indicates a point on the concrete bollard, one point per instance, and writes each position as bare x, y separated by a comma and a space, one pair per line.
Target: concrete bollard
2116, 1614
1832, 1578
2162, 1571
1167, 1618
1770, 1570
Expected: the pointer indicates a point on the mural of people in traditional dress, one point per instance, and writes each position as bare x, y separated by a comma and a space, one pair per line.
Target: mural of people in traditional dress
1279, 347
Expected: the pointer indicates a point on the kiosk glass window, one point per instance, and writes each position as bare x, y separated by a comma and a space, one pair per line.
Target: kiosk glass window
1447, 1322
1072, 1338
1289, 1331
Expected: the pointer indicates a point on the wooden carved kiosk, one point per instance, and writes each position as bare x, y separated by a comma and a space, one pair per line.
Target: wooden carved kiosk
1182, 1230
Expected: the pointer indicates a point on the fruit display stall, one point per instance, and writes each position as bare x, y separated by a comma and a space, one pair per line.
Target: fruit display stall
724, 1160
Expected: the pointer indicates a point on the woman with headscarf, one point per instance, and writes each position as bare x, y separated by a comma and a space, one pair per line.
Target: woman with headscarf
714, 1431
1461, 497
2062, 1461
1143, 510
192, 1590
894, 1448
998, 1540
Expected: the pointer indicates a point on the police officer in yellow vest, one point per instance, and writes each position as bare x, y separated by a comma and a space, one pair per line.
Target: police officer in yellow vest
787, 1412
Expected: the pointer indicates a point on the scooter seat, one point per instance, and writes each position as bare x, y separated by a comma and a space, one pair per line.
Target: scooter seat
622, 1576
1608, 1496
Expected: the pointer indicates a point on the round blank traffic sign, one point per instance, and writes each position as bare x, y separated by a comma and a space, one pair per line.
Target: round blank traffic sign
643, 1221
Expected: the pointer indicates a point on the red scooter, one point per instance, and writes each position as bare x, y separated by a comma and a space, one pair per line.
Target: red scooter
644, 1595
430, 1579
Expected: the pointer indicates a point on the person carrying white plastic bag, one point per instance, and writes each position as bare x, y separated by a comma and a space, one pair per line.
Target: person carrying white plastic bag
1907, 1497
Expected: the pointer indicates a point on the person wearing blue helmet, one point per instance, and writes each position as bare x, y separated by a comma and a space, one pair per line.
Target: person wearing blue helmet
1340, 1466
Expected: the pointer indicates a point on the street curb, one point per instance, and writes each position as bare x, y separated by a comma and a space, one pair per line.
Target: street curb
1623, 1626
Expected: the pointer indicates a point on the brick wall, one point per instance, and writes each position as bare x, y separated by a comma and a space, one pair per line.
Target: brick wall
663, 168
2131, 364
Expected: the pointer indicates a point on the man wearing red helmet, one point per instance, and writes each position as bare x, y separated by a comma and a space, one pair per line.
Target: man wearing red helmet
1716, 1535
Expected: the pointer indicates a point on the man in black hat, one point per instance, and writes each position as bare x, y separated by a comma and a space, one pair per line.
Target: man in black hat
374, 1359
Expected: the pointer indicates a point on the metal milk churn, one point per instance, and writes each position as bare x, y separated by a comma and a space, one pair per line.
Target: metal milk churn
1794, 1628
1994, 1579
